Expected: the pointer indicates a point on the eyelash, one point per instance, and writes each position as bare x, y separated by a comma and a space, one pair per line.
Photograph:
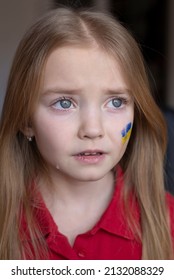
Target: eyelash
123, 100
63, 98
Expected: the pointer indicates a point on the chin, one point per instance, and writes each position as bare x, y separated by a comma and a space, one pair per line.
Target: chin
91, 177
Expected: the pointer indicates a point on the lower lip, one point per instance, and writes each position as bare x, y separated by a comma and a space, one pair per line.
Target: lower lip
90, 159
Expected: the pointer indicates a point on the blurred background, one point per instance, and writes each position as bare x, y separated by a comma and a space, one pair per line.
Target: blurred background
150, 21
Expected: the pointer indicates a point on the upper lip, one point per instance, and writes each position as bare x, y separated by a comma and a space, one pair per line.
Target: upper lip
91, 152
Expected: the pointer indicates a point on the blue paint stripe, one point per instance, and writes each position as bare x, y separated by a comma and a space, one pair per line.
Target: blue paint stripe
123, 133
128, 127
126, 130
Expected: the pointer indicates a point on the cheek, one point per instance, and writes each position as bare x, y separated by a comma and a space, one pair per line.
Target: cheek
49, 137
53, 138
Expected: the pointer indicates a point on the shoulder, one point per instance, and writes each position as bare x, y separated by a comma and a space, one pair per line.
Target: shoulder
170, 204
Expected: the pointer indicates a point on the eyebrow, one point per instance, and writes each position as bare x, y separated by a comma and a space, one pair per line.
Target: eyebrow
118, 91
60, 90
107, 91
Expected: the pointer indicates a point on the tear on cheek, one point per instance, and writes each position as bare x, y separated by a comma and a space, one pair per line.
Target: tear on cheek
57, 167
126, 133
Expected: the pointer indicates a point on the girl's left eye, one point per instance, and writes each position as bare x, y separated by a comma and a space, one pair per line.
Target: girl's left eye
63, 104
116, 103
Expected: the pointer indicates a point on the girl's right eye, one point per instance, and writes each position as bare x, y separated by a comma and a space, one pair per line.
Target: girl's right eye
63, 104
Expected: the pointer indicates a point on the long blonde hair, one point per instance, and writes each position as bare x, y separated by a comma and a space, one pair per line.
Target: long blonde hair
20, 161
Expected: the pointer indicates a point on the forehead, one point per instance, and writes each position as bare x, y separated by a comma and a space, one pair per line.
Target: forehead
80, 66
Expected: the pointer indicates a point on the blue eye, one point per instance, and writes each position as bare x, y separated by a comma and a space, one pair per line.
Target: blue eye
115, 103
63, 104
66, 104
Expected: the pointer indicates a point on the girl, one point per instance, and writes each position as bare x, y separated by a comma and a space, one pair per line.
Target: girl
72, 183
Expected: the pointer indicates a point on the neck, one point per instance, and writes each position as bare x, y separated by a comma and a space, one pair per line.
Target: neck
69, 191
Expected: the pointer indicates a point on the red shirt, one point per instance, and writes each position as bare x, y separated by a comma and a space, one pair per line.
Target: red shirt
109, 239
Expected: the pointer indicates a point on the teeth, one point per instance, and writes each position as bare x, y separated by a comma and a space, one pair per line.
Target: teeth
90, 154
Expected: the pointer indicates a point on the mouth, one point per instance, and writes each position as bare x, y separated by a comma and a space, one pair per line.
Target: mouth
91, 153
90, 156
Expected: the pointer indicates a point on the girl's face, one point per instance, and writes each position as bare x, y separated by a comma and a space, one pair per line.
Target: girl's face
84, 117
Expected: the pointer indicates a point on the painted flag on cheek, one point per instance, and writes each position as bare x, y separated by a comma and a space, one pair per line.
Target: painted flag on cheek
126, 132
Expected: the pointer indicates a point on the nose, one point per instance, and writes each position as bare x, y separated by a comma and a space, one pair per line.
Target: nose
91, 125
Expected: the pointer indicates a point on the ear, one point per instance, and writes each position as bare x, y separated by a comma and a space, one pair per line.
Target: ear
27, 130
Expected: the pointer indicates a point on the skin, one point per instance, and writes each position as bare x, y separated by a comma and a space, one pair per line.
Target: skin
88, 80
